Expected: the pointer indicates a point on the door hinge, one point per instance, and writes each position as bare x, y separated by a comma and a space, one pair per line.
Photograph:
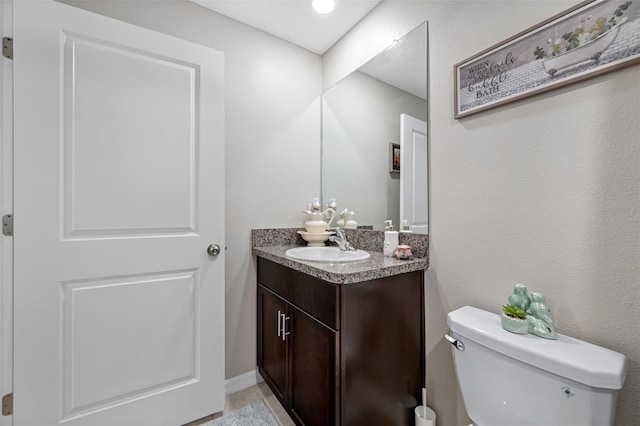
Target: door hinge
7, 404
7, 225
7, 47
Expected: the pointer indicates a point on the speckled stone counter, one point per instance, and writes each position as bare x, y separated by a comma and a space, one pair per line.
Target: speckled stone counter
272, 244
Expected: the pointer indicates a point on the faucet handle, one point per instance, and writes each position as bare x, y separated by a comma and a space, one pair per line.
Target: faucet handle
339, 232
341, 239
338, 240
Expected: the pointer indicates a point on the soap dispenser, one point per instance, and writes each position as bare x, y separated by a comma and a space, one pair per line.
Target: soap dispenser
391, 239
405, 228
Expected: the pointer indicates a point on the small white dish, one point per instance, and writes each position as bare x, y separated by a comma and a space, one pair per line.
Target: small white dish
316, 239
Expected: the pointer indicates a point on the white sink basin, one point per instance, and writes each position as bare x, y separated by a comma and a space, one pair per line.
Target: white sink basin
326, 254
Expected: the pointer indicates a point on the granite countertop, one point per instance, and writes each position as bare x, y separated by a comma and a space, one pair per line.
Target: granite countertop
377, 266
271, 244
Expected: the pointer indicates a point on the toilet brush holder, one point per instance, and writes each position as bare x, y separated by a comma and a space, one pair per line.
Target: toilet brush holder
425, 416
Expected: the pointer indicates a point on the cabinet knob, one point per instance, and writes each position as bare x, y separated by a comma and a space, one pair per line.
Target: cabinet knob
279, 322
284, 326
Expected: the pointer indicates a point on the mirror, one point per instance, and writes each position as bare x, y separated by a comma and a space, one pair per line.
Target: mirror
361, 129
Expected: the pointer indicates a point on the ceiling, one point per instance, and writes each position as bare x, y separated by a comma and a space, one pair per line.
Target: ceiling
294, 20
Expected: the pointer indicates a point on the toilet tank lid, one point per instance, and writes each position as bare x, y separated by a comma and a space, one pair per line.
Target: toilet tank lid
574, 359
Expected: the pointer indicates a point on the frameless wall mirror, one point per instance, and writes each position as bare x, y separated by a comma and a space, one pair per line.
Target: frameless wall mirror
374, 137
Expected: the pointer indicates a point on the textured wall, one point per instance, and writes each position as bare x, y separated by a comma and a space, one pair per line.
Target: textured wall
272, 126
544, 191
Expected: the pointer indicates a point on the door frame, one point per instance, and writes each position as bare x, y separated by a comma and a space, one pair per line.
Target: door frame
6, 207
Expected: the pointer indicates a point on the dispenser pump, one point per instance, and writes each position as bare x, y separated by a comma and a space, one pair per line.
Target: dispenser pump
389, 226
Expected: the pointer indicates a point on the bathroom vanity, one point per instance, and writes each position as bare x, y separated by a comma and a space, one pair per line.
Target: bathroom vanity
341, 344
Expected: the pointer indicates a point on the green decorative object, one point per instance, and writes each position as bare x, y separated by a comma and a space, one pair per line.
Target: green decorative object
515, 319
514, 311
539, 319
542, 321
519, 297
540, 309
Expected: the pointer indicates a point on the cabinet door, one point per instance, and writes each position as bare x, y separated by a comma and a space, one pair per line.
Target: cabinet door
272, 347
382, 337
313, 369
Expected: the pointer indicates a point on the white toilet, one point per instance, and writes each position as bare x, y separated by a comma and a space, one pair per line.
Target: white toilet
513, 379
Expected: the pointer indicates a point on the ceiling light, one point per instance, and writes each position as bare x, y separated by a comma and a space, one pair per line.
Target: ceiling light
323, 6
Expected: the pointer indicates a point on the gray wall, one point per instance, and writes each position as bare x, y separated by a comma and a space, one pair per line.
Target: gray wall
360, 117
544, 191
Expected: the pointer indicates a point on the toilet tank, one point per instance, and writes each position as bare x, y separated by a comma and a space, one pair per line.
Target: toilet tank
508, 379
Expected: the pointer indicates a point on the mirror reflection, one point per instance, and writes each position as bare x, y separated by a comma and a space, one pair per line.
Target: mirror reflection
361, 132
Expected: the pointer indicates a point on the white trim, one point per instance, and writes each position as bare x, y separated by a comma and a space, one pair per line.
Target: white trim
242, 381
6, 207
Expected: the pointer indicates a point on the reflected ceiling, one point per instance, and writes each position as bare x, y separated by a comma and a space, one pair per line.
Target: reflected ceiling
399, 64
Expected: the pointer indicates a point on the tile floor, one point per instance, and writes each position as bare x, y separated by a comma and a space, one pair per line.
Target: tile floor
237, 400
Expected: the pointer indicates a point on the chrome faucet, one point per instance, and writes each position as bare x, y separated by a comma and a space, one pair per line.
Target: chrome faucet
341, 240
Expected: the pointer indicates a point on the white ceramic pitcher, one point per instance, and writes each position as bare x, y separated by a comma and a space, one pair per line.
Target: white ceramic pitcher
315, 223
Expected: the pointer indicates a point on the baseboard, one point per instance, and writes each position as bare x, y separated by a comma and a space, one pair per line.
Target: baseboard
242, 381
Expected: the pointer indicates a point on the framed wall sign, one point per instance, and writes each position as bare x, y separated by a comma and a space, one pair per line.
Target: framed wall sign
592, 38
394, 157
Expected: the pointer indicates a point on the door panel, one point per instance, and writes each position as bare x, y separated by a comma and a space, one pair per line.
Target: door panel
99, 135
272, 348
313, 370
103, 366
119, 189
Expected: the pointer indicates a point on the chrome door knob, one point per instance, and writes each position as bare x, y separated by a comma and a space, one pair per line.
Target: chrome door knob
213, 250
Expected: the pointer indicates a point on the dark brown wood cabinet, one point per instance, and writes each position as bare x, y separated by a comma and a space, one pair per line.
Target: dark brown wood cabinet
274, 356
341, 354
297, 359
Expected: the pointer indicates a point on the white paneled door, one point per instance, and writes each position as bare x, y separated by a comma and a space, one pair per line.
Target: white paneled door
414, 173
119, 191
